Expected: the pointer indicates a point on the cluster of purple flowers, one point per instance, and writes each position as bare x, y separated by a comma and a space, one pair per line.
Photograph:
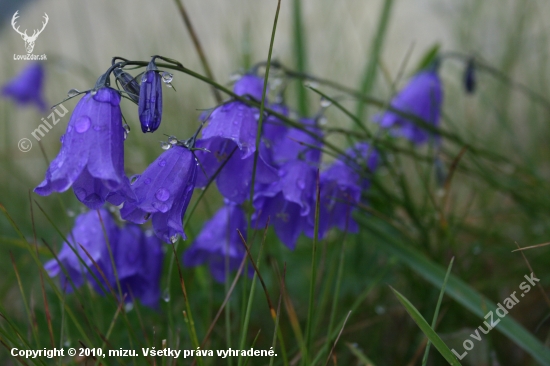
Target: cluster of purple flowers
288, 171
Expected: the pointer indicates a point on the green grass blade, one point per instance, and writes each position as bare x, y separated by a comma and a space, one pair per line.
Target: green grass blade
436, 313
369, 76
300, 54
425, 327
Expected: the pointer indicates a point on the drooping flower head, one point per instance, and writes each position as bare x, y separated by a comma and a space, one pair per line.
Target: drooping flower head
288, 201
163, 192
27, 86
219, 242
421, 97
340, 189
231, 132
138, 258
128, 83
150, 99
91, 159
88, 234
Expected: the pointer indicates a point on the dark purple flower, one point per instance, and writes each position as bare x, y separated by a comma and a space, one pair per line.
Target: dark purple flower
288, 201
92, 152
138, 258
470, 76
163, 192
219, 242
88, 233
299, 144
150, 101
421, 97
27, 87
340, 189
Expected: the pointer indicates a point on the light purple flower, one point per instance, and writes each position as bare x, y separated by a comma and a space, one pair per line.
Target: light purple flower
163, 192
421, 97
219, 242
91, 158
27, 87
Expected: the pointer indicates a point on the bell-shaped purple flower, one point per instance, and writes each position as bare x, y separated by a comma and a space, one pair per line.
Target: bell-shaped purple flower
299, 144
340, 189
288, 201
138, 259
249, 85
87, 233
150, 101
27, 87
92, 152
163, 192
219, 242
421, 97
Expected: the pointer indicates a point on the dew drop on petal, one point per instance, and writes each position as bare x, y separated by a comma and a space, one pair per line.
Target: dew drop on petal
61, 138
147, 181
162, 162
301, 183
174, 239
69, 129
162, 194
172, 140
82, 124
164, 146
70, 213
128, 307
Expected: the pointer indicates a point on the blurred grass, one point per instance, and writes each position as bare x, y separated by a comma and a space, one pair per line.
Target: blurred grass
490, 205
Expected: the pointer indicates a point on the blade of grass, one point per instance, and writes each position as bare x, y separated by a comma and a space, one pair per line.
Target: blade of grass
436, 313
426, 329
369, 76
300, 53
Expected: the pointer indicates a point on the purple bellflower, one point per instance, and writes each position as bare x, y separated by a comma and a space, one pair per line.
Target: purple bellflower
150, 99
88, 234
340, 189
231, 133
163, 192
299, 144
219, 242
421, 97
27, 87
91, 158
138, 259
288, 201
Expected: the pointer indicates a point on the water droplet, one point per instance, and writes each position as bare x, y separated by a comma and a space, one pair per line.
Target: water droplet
70, 213
73, 93
311, 84
380, 310
94, 92
322, 120
147, 181
325, 103
97, 128
235, 76
167, 77
61, 138
282, 173
257, 116
69, 129
149, 232
172, 140
166, 295
67, 343
301, 183
126, 128
82, 124
174, 239
162, 194
162, 162
128, 307
165, 146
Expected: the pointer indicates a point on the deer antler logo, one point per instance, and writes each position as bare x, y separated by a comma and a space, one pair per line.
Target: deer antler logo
29, 40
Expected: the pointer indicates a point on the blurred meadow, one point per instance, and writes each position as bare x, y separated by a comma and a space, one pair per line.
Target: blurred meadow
476, 199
